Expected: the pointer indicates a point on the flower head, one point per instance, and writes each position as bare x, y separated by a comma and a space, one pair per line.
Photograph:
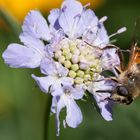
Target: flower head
71, 51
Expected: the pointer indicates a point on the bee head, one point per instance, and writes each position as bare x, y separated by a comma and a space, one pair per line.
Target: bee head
121, 95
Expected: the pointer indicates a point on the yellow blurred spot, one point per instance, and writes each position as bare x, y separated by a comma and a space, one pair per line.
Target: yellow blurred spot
20, 8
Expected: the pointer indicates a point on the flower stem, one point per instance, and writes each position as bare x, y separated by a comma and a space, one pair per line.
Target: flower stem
47, 117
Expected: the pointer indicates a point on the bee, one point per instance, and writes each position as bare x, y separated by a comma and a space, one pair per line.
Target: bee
128, 78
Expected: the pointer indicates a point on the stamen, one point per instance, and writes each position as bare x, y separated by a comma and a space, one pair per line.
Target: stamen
103, 19
121, 30
87, 5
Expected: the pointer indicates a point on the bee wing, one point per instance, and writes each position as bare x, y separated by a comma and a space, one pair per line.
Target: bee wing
135, 49
134, 57
136, 36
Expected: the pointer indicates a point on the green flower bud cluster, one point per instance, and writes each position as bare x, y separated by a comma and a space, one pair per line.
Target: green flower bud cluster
80, 59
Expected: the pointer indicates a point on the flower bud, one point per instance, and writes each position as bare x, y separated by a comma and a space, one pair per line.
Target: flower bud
67, 64
72, 74
61, 59
87, 77
57, 54
75, 59
78, 80
74, 67
68, 56
80, 73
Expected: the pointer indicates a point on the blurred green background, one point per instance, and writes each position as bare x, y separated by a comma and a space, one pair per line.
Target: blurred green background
23, 105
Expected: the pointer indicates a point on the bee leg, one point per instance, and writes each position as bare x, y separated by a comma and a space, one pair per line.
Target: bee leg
127, 51
107, 79
117, 71
104, 91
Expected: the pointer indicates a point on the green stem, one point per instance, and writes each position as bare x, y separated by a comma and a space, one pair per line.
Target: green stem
47, 117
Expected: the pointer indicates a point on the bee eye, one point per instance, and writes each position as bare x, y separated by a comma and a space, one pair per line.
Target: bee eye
122, 91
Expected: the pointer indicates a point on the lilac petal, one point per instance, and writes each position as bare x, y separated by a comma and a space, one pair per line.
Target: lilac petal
35, 25
19, 56
77, 93
102, 37
67, 81
59, 107
57, 36
62, 71
74, 115
95, 32
32, 42
101, 98
69, 18
48, 67
110, 59
90, 19
54, 104
90, 26
53, 18
44, 83
105, 109
57, 89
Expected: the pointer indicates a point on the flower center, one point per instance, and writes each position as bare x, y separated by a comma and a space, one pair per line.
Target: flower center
81, 59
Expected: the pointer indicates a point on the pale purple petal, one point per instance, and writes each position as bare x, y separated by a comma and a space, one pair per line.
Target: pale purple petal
48, 67
19, 56
90, 22
77, 93
62, 71
95, 32
32, 42
35, 25
102, 98
69, 18
44, 83
59, 107
101, 92
105, 108
67, 81
57, 89
102, 37
110, 59
53, 18
54, 104
57, 36
74, 115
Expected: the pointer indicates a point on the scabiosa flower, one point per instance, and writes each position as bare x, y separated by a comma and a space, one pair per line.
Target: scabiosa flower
71, 52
